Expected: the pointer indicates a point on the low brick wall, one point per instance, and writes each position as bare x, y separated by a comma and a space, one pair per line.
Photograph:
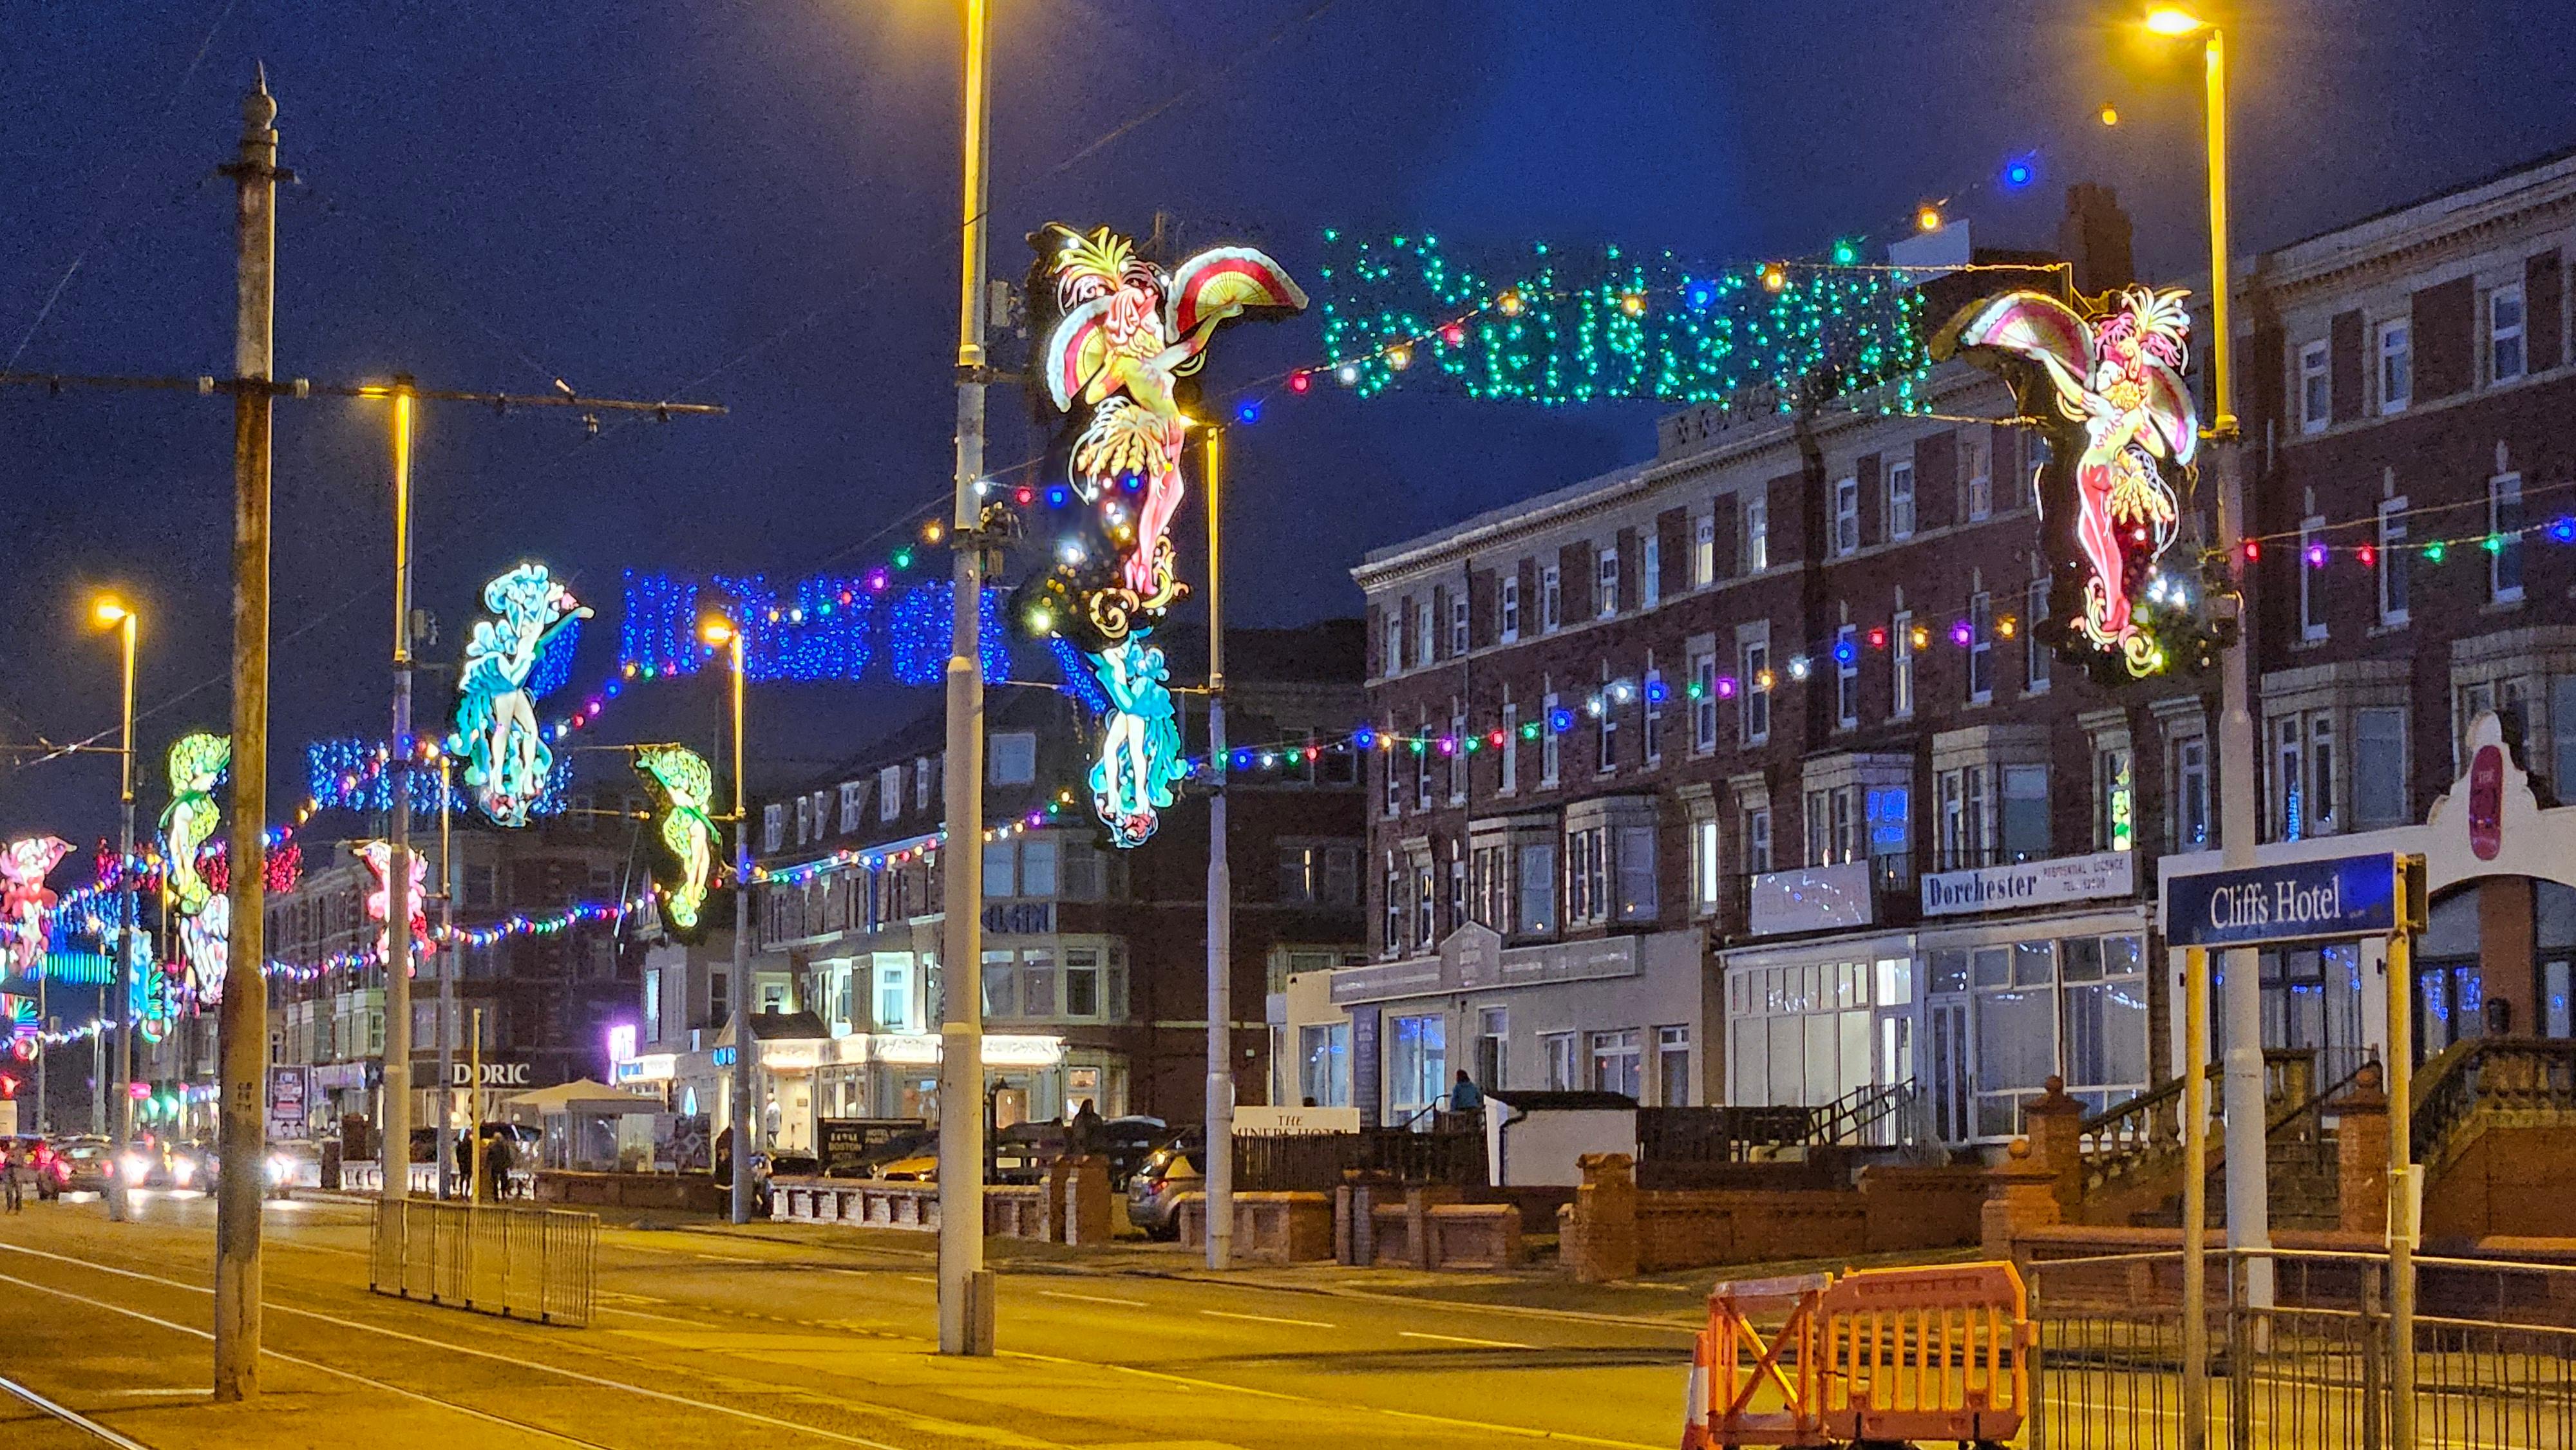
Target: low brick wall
687, 1192
1269, 1228
1072, 1206
1614, 1231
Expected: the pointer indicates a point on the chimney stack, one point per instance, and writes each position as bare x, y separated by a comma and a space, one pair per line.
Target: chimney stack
2095, 236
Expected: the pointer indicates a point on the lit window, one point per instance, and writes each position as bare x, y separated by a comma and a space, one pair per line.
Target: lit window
1900, 654
2034, 640
1605, 583
1757, 535
2504, 538
1703, 550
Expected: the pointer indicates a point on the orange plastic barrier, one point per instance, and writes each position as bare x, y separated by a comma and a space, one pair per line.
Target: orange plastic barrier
1872, 1354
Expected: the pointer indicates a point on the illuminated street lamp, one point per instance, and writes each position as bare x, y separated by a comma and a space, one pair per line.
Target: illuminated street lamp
717, 631
108, 611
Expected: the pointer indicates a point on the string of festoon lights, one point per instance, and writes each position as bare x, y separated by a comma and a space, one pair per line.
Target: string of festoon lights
2315, 548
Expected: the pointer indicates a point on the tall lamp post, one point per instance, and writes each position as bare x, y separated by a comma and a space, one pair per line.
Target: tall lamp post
965, 1290
738, 990
109, 610
396, 1153
1220, 898
2248, 1205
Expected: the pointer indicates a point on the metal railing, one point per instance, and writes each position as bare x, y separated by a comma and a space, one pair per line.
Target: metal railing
1315, 1162
2493, 1362
525, 1263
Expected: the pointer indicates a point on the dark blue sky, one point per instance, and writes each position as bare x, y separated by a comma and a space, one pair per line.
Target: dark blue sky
754, 204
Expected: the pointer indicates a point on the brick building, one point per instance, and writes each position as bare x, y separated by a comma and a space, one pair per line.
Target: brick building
1094, 976
1763, 713
2411, 414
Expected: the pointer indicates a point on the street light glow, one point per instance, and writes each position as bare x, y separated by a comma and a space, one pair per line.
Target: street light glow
715, 631
109, 610
2168, 20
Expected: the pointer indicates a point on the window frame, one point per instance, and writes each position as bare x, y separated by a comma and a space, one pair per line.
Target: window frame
2312, 619
1507, 608
1756, 517
1703, 550
2507, 553
2497, 336
2315, 386
1605, 582
2037, 652
2393, 565
1981, 647
1650, 570
1900, 503
1847, 677
1753, 653
1846, 516
2402, 331
1551, 598
1900, 648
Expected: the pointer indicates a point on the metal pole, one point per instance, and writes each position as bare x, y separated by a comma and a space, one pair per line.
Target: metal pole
123, 973
98, 1076
242, 1025
45, 1053
1220, 901
474, 1108
738, 991
2195, 1199
2401, 1187
447, 969
2248, 1188
396, 1152
965, 1320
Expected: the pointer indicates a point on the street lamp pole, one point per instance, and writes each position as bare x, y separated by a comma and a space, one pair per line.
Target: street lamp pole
965, 1289
111, 611
738, 989
447, 971
2247, 1187
1220, 900
395, 1154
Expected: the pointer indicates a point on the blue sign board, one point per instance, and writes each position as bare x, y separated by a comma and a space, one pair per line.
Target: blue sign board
2293, 901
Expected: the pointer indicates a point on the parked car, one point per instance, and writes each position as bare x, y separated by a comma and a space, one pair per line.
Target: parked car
1153, 1195
1127, 1142
80, 1166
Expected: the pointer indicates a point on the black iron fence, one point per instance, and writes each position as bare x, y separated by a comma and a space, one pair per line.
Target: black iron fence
1317, 1162
2494, 1362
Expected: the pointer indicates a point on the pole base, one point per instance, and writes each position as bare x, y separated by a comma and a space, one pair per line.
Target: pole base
966, 1319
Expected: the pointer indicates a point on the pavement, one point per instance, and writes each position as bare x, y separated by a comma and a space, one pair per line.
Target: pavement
806, 1335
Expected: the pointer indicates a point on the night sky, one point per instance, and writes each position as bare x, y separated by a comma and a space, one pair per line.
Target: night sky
755, 204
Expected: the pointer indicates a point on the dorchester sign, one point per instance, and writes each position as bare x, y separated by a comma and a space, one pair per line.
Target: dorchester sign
2293, 901
2028, 883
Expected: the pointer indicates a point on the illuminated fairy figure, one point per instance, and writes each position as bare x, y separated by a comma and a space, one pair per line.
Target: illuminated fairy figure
1125, 340
1128, 335
686, 787
197, 763
24, 901
1140, 749
205, 947
2114, 381
378, 856
511, 662
21, 1030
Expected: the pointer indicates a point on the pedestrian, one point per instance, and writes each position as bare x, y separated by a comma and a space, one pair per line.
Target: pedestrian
9, 1189
498, 1160
1466, 1097
1082, 1135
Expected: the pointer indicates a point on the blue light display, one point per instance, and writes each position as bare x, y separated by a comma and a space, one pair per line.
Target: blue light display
349, 774
829, 627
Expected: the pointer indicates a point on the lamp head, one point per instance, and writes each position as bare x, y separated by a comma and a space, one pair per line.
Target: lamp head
109, 610
715, 630
2172, 21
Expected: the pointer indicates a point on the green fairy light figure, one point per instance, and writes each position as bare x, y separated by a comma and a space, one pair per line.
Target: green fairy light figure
685, 786
197, 765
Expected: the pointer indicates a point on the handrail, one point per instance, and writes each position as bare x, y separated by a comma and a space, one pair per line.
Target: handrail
1855, 1113
2122, 1140
2526, 1073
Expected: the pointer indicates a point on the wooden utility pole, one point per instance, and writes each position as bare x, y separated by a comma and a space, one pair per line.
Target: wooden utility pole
242, 1021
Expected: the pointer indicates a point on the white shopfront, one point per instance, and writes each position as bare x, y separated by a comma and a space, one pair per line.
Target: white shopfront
2015, 974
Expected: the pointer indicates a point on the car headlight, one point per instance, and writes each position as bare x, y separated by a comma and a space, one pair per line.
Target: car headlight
182, 1170
131, 1168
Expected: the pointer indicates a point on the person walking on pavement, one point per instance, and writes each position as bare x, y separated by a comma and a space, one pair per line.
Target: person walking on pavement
9, 1187
1082, 1135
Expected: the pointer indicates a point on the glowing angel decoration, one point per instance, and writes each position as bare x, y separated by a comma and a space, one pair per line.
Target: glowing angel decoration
684, 787
511, 662
205, 947
2125, 429
24, 899
197, 764
1140, 754
1128, 335
1117, 361
379, 857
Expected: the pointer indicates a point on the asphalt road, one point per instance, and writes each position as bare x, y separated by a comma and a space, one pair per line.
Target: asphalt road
712, 1340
